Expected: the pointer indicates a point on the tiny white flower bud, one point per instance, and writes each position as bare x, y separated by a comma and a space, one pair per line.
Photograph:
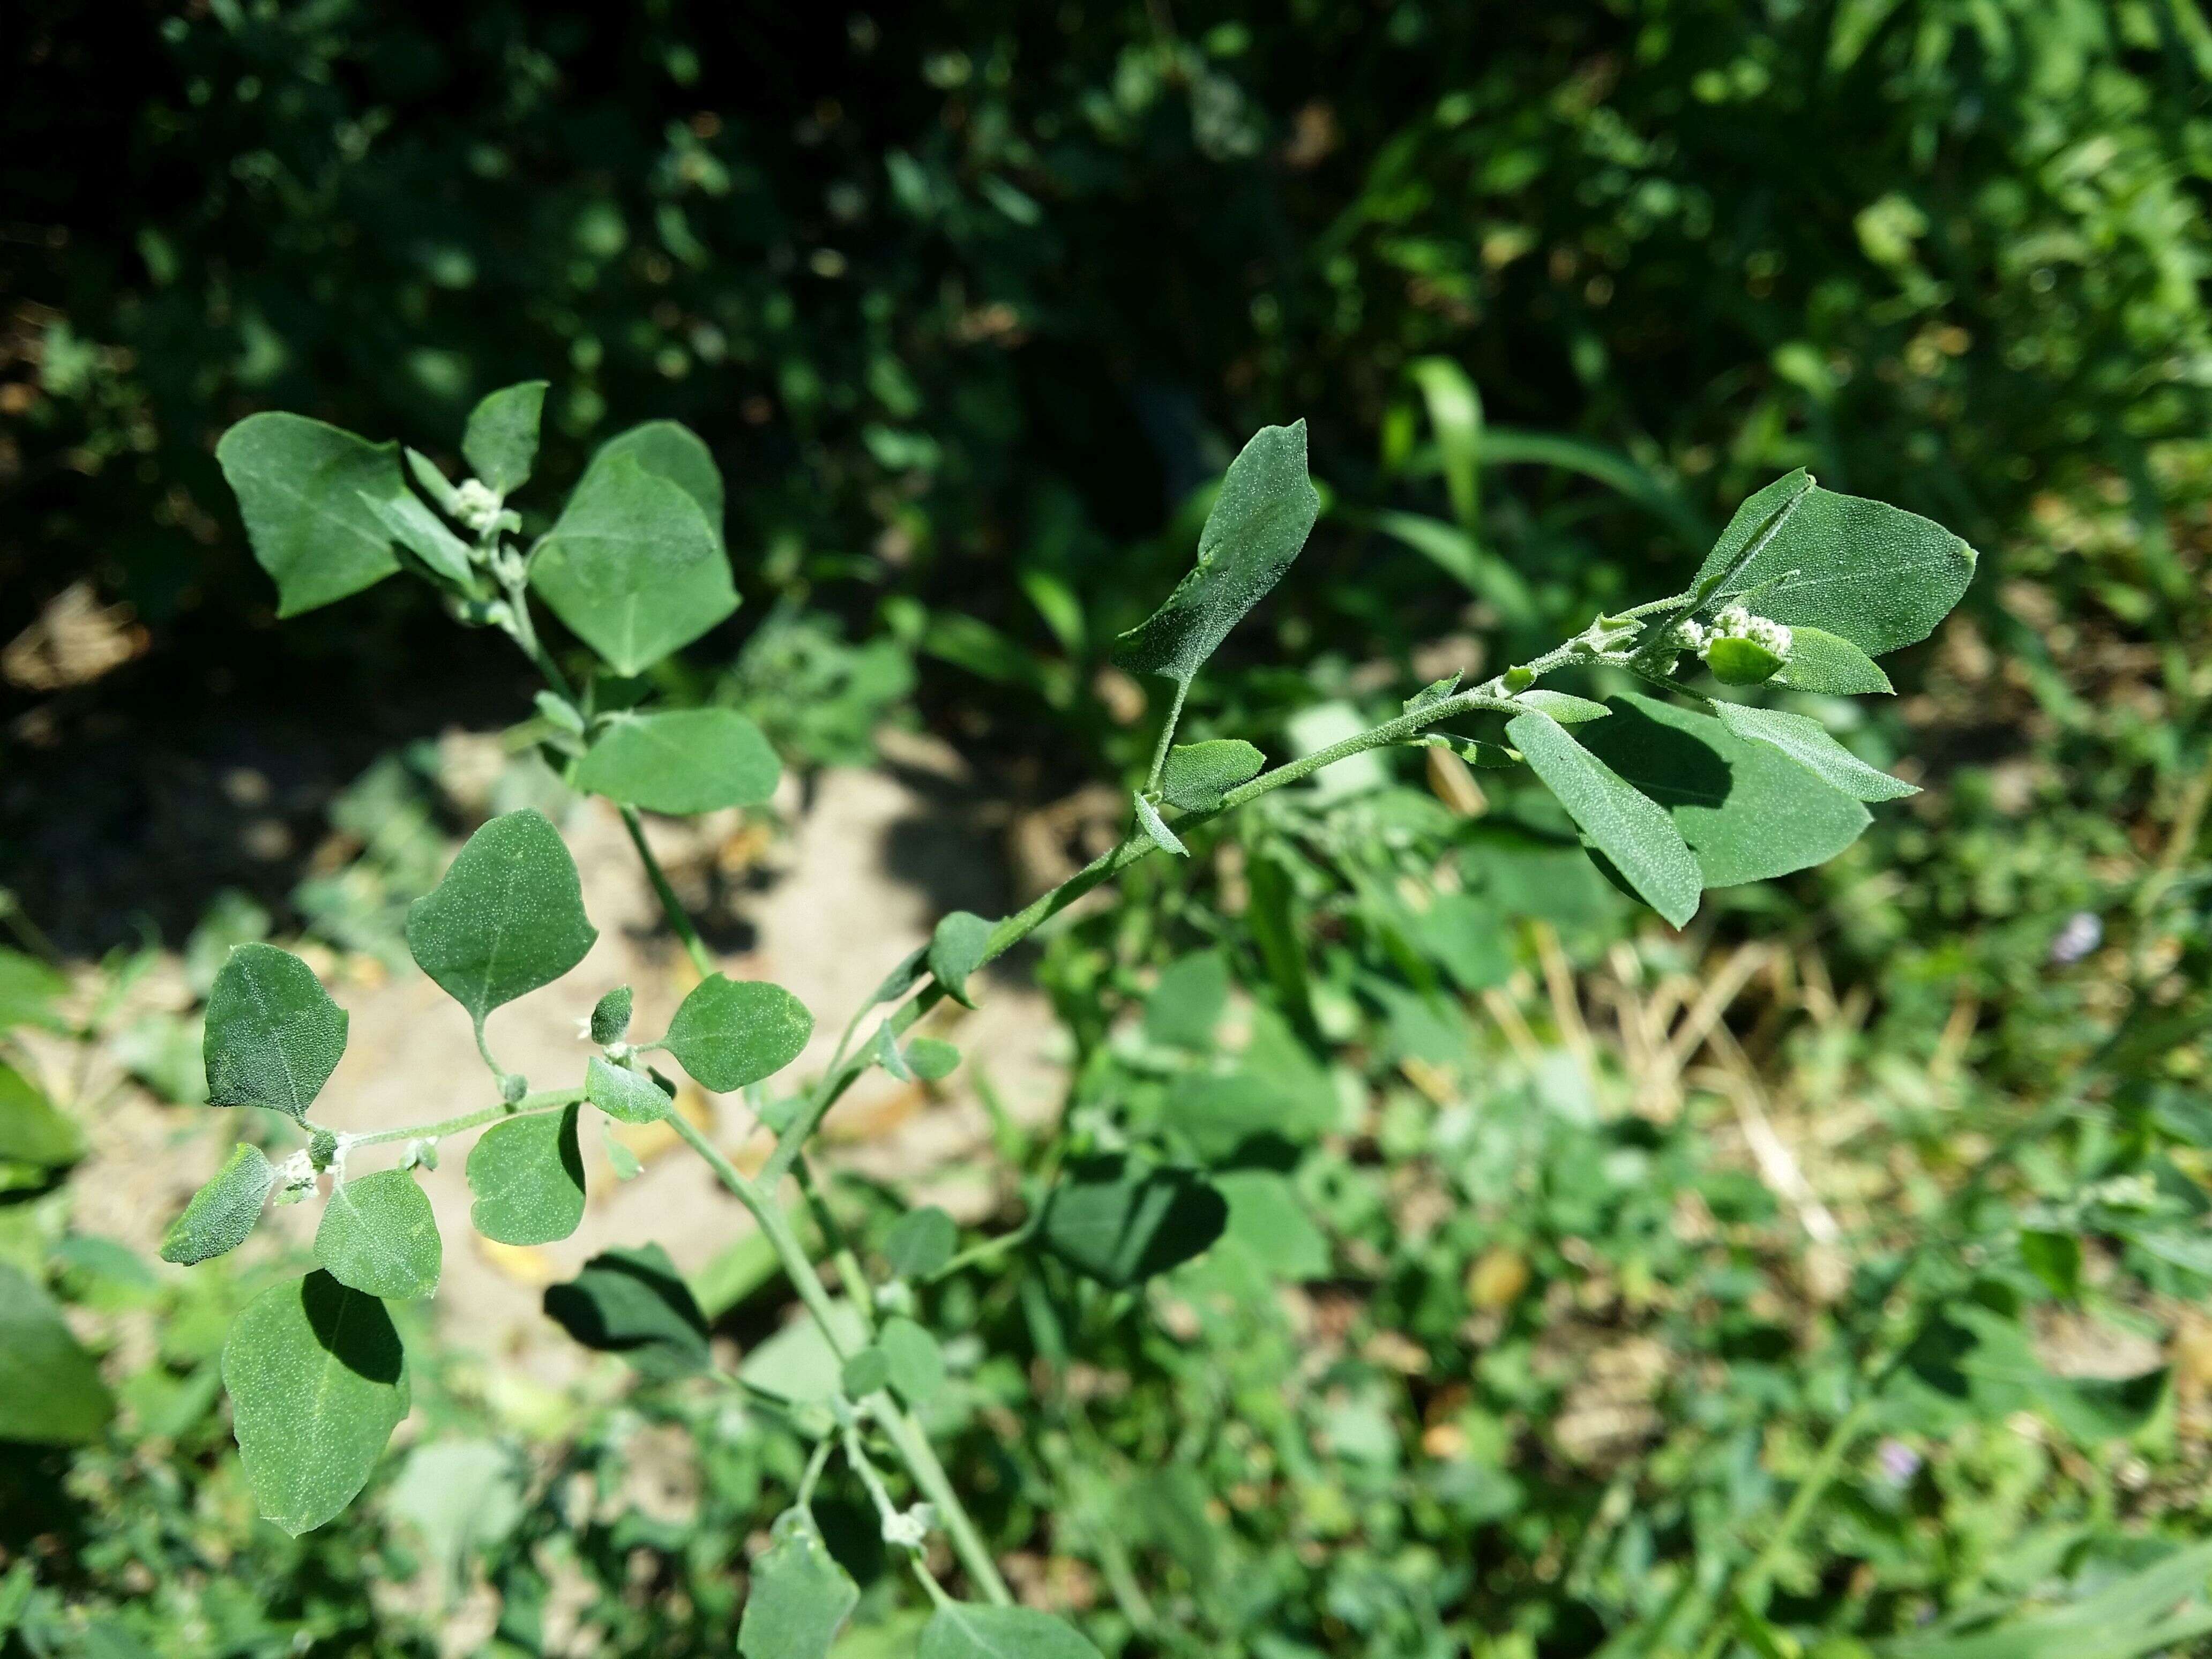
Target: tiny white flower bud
910, 1530
476, 506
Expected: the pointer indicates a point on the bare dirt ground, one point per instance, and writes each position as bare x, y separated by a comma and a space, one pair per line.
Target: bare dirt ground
869, 860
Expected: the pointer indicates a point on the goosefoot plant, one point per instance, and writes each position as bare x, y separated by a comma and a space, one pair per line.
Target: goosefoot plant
1673, 795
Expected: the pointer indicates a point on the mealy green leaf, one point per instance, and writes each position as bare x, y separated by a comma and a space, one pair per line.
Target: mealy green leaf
865, 1372
465, 1497
955, 948
669, 450
50, 1386
1828, 663
378, 1236
916, 1363
1875, 574
1565, 710
1748, 812
1121, 1220
632, 567
418, 530
2159, 1609
223, 1211
799, 1362
433, 484
1198, 775
621, 1093
28, 990
932, 1059
1266, 1219
633, 1303
1261, 519
300, 485
1188, 1003
273, 1035
318, 1382
799, 1597
1741, 662
921, 1242
686, 760
32, 1130
1632, 830
1978, 1362
507, 918
502, 440
610, 1015
728, 1033
2054, 1258
963, 1630
1219, 1112
1155, 829
903, 978
527, 1174
1807, 742
890, 1055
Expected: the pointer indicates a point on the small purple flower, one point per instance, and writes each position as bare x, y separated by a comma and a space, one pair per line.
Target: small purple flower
2083, 932
1899, 1461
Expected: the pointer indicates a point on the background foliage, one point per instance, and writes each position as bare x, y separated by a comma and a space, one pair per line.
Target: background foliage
967, 300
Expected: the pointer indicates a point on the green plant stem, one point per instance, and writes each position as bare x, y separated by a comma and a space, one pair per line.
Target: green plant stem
1748, 1589
545, 1100
1167, 737
849, 1276
671, 906
990, 1248
899, 1426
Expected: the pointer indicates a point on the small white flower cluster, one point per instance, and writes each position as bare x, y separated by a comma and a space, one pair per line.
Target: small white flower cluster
909, 1529
295, 1178
476, 506
1734, 623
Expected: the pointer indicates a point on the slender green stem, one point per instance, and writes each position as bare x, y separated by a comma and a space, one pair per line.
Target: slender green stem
1167, 737
990, 1248
854, 1282
899, 1426
545, 1100
812, 1475
671, 906
1749, 1589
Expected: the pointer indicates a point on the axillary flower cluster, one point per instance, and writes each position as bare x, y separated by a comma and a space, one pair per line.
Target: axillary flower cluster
1740, 648
1734, 623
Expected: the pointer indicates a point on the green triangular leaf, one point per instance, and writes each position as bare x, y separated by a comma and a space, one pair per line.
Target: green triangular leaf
300, 485
527, 1175
633, 1303
222, 1213
1631, 829
633, 567
621, 1093
1155, 829
799, 1597
1261, 519
1807, 742
273, 1035
1121, 1220
507, 918
1748, 812
1870, 573
961, 1630
1198, 775
956, 950
684, 760
502, 441
728, 1033
1825, 662
318, 1382
52, 1386
378, 1236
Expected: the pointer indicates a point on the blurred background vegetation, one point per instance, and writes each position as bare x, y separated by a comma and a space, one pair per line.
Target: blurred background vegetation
968, 299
